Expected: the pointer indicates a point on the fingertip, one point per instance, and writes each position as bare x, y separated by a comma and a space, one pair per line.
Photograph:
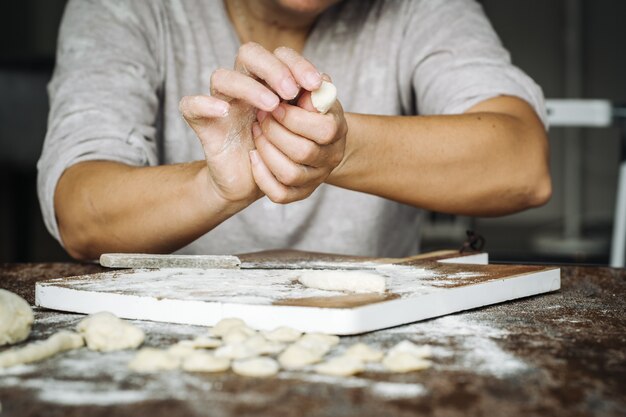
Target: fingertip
313, 80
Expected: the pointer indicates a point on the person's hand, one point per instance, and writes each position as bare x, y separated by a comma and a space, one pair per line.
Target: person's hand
223, 121
297, 149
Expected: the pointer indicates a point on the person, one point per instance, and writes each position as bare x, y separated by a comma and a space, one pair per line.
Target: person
431, 115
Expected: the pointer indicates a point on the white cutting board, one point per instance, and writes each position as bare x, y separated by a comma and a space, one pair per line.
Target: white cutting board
266, 299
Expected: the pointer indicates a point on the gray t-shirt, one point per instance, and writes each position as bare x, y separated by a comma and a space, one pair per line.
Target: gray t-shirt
123, 65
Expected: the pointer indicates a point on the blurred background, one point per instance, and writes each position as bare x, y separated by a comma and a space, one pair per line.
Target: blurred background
572, 48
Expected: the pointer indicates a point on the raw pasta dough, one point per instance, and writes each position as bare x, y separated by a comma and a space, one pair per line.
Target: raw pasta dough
152, 360
324, 97
106, 333
340, 366
338, 280
37, 351
205, 362
256, 367
16, 318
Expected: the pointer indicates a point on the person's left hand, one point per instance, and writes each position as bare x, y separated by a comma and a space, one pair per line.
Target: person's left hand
296, 148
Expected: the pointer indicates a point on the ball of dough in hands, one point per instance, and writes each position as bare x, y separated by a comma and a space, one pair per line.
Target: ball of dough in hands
16, 318
324, 97
105, 332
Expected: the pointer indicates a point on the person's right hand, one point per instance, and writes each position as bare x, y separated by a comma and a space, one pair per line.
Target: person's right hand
223, 121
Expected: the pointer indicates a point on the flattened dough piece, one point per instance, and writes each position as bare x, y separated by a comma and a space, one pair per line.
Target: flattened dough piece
226, 325
200, 361
407, 346
235, 351
364, 353
405, 362
16, 318
297, 356
238, 334
37, 351
153, 360
341, 280
283, 334
256, 367
106, 332
262, 346
340, 366
324, 97
201, 342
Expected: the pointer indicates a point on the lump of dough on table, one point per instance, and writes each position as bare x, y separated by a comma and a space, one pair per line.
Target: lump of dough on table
297, 356
201, 342
364, 353
235, 351
341, 280
407, 346
37, 351
16, 318
282, 334
405, 362
262, 346
238, 334
226, 325
200, 361
340, 366
256, 367
153, 360
324, 97
106, 333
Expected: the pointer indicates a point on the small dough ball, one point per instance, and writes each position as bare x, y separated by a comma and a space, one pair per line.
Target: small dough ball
405, 362
297, 356
328, 340
283, 334
105, 332
38, 351
407, 346
225, 325
16, 318
324, 97
202, 342
200, 361
153, 360
340, 366
364, 353
256, 367
238, 334
338, 280
235, 351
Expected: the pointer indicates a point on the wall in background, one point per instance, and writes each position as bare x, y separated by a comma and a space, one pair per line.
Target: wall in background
532, 31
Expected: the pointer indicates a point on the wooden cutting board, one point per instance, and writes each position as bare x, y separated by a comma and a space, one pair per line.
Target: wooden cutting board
418, 288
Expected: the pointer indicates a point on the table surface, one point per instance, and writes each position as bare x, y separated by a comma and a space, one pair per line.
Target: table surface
562, 353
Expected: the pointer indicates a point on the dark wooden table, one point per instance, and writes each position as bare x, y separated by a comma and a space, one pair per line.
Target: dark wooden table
558, 354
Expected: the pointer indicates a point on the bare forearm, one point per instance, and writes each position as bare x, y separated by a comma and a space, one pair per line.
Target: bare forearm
482, 163
111, 207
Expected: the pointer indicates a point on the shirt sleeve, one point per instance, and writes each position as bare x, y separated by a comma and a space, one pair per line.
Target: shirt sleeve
103, 93
460, 60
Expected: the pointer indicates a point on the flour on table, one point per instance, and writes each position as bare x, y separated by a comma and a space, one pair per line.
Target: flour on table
16, 318
37, 351
106, 333
256, 367
338, 280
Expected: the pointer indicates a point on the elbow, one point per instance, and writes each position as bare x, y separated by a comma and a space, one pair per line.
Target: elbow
78, 245
540, 193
